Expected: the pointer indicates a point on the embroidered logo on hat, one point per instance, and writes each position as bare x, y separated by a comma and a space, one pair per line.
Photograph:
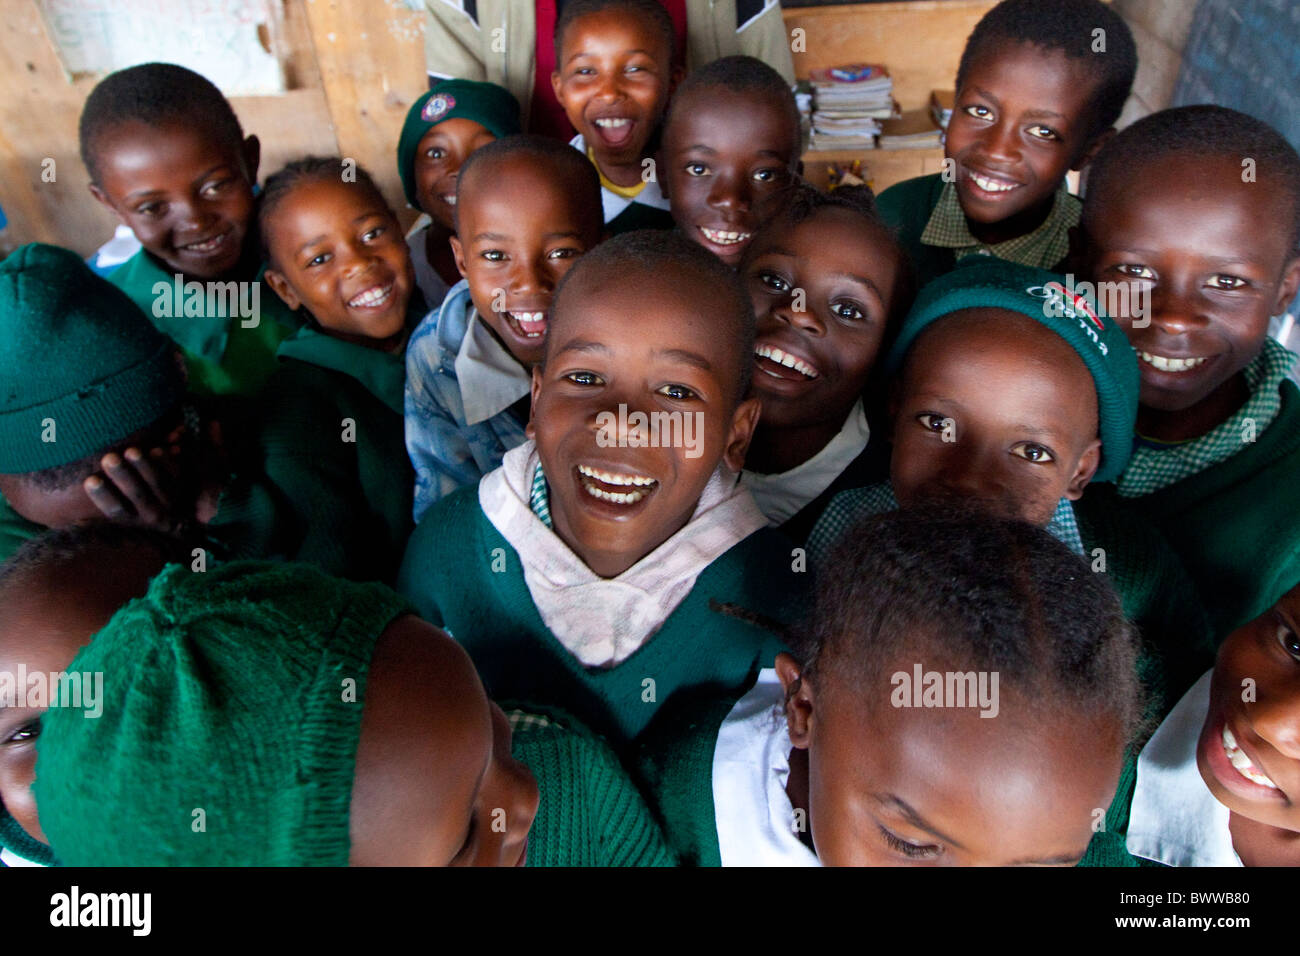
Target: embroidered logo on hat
437, 107
1079, 302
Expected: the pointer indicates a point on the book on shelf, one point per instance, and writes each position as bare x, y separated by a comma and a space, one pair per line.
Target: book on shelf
941, 106
915, 129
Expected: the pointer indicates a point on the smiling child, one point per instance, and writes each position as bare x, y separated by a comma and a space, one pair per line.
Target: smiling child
597, 560
526, 209
730, 153
1036, 97
167, 156
1195, 213
443, 127
331, 431
615, 68
827, 280
837, 760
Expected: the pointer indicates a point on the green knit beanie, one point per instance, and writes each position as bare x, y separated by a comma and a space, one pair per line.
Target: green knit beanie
1049, 298
231, 717
491, 106
81, 367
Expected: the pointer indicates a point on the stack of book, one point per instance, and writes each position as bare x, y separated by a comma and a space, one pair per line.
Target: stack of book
848, 104
941, 104
915, 129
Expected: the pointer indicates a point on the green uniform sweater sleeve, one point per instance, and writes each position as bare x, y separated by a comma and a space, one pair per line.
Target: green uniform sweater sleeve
590, 813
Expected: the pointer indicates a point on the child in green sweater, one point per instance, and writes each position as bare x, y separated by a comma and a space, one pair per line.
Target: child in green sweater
1198, 274
613, 560
829, 284
1012, 395
167, 156
268, 675
331, 431
949, 658
1039, 87
730, 153
1218, 784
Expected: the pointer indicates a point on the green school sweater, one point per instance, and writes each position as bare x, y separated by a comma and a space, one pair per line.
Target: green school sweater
1107, 847
222, 357
332, 446
590, 813
1236, 525
461, 574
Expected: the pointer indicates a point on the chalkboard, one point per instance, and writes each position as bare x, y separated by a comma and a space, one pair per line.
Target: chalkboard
225, 40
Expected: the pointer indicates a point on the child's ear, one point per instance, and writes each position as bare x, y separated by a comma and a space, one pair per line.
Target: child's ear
798, 700
458, 253
1093, 148
252, 153
743, 423
280, 286
530, 431
1089, 461
555, 83
106, 202
1290, 284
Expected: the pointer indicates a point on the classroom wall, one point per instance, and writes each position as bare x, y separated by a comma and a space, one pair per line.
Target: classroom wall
1160, 29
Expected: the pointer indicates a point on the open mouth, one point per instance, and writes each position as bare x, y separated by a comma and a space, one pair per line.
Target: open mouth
781, 364
614, 130
614, 487
376, 297
991, 185
527, 325
720, 237
206, 247
448, 198
1241, 763
1165, 363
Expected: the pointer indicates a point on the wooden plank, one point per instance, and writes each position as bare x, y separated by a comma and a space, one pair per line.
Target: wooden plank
371, 59
881, 167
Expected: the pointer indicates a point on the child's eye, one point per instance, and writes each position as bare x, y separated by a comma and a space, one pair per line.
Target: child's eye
24, 733
585, 71
584, 378
1227, 283
211, 189
913, 851
1289, 641
766, 175
1032, 451
374, 234
493, 255
319, 260
978, 111
567, 252
773, 281
935, 423
1043, 132
151, 209
679, 392
435, 152
696, 169
848, 310
1135, 271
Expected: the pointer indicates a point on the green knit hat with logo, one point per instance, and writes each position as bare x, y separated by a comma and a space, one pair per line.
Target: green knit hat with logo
1053, 300
492, 107
81, 367
231, 714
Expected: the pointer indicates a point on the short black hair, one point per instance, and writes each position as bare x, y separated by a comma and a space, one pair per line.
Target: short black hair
1067, 26
650, 11
980, 592
741, 74
806, 201
158, 95
303, 172
60, 549
578, 170
1201, 131
663, 256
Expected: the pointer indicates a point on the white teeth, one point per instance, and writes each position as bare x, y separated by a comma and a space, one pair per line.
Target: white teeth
526, 319
205, 246
723, 238
371, 297
991, 185
1170, 364
786, 359
450, 200
613, 123
1241, 763
610, 478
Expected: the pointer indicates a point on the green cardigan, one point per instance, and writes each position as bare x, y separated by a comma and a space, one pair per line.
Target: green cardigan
221, 356
347, 488
590, 813
448, 574
1236, 525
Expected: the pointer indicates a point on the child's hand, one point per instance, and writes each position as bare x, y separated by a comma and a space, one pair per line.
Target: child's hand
138, 488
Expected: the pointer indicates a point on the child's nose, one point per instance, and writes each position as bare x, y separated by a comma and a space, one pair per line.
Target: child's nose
1002, 142
805, 319
730, 193
1175, 308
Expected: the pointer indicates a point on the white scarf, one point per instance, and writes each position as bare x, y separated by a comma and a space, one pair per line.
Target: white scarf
603, 621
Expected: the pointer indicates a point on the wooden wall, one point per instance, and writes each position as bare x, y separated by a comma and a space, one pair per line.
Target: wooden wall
356, 65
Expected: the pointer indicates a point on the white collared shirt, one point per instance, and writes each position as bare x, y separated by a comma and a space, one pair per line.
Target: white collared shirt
782, 496
612, 203
751, 765
1174, 819
9, 858
490, 378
